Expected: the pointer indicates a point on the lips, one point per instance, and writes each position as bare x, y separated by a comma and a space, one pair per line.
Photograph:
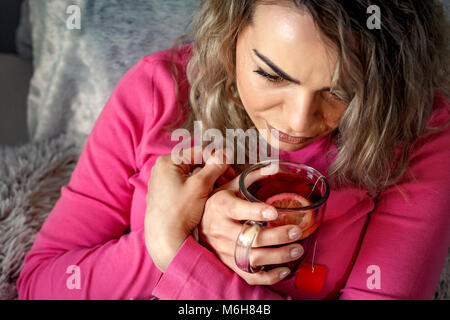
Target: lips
284, 137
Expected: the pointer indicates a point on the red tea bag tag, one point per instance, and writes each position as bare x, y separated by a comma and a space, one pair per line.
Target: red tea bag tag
310, 278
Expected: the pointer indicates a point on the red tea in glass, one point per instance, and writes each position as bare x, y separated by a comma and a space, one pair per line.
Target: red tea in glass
298, 192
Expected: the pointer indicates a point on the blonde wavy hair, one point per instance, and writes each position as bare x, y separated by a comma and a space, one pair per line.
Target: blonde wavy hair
389, 78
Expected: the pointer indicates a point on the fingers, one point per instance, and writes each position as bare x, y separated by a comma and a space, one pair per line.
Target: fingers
205, 178
228, 203
224, 244
199, 155
209, 167
190, 160
261, 256
264, 278
267, 278
190, 156
211, 172
201, 169
270, 256
277, 235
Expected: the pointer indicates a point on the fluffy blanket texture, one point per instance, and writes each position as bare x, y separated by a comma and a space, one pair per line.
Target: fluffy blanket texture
31, 177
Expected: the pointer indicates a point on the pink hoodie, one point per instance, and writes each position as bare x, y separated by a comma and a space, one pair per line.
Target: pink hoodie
384, 248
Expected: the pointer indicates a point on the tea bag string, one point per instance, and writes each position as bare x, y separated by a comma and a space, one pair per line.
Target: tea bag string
314, 187
314, 255
315, 242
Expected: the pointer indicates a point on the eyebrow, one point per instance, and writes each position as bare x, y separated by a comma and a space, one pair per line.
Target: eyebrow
280, 72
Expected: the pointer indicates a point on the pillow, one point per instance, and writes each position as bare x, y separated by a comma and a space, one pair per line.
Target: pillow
76, 69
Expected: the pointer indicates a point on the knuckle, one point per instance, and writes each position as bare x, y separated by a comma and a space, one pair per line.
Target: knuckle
250, 280
255, 259
213, 231
217, 200
265, 237
272, 279
199, 180
210, 204
234, 210
214, 206
272, 236
261, 278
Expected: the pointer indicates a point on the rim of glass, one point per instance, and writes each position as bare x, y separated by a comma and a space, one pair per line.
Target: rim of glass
262, 164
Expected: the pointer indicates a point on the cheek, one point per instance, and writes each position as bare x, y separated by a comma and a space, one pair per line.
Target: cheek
248, 94
333, 114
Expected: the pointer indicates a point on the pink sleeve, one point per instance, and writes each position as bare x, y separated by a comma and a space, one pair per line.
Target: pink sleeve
81, 251
197, 274
408, 234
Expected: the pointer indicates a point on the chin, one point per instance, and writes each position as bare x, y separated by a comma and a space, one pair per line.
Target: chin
289, 147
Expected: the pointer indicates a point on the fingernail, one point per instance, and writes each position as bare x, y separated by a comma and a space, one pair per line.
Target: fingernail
296, 252
269, 213
283, 274
294, 233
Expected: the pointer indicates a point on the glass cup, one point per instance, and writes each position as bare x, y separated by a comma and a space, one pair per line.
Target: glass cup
298, 193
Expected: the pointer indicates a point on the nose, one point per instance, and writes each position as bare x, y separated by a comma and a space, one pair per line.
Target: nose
302, 113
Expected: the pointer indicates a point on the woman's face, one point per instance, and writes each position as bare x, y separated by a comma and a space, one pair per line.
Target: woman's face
283, 75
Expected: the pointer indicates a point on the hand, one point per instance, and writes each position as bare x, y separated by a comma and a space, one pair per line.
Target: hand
175, 203
220, 227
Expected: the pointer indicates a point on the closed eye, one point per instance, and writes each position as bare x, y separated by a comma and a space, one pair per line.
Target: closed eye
268, 76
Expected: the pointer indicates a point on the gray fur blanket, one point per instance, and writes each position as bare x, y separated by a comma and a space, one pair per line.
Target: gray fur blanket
30, 180
31, 177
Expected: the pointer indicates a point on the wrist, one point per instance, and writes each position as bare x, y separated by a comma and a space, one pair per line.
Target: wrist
171, 245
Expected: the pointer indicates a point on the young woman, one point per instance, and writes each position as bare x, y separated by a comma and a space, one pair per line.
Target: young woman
366, 107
